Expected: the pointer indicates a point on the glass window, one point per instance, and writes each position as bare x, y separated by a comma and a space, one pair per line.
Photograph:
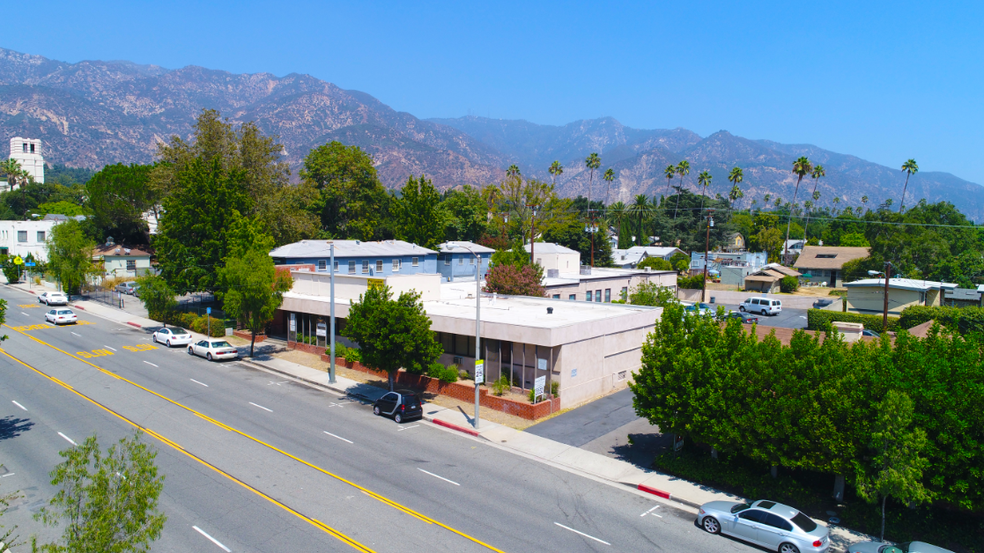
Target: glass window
804, 522
608, 295
40, 236
572, 297
336, 267
415, 261
471, 260
460, 344
379, 265
447, 259
447, 342
777, 521
597, 295
587, 296
131, 264
625, 293
752, 515
556, 296
322, 265
22, 236
365, 266
351, 267
396, 265
461, 260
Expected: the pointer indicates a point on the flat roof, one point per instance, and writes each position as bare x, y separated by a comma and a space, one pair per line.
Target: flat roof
530, 311
901, 284
598, 273
462, 246
306, 249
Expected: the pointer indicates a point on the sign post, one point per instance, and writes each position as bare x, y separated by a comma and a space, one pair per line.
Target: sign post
538, 385
479, 371
208, 320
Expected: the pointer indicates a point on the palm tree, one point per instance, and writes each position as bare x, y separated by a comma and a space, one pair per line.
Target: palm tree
513, 171
864, 200
592, 162
818, 171
682, 169
909, 167
703, 180
767, 199
735, 177
609, 176
801, 168
617, 213
641, 207
669, 172
556, 170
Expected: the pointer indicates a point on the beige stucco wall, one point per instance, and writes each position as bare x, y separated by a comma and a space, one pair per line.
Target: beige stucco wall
615, 284
872, 299
564, 262
350, 287
118, 264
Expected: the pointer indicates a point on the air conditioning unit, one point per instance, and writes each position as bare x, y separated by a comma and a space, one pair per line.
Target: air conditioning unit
457, 361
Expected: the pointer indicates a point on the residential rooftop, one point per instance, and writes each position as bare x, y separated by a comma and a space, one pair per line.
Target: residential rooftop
829, 257
901, 284
462, 246
348, 248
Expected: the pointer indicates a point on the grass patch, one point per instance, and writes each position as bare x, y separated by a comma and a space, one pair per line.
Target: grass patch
811, 492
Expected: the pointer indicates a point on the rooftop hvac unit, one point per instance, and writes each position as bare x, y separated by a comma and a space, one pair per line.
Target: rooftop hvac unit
553, 273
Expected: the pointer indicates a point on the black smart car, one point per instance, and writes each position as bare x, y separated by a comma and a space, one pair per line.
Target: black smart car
399, 405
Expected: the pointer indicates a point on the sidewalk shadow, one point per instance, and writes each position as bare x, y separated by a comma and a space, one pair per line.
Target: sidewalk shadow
12, 427
366, 392
644, 447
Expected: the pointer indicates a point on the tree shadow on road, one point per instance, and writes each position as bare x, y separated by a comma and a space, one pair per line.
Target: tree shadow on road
643, 448
11, 427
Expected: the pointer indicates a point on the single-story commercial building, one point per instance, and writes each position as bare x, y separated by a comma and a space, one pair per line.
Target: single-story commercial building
868, 295
962, 297
589, 349
825, 264
603, 285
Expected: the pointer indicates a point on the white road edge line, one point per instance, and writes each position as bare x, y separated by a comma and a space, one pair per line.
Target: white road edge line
197, 382
79, 335
339, 437
107, 347
436, 476
261, 407
25, 314
19, 405
151, 364
6, 475
582, 533
67, 438
211, 539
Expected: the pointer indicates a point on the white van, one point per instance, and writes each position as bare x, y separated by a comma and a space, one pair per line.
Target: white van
762, 306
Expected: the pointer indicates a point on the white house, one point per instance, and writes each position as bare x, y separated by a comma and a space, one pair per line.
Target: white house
26, 237
554, 256
120, 261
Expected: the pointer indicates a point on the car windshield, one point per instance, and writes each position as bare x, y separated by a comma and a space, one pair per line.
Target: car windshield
221, 345
64, 312
176, 330
804, 522
893, 548
739, 508
704, 306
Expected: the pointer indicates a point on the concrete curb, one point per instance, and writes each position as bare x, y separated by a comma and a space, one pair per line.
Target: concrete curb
654, 491
469, 431
131, 323
320, 385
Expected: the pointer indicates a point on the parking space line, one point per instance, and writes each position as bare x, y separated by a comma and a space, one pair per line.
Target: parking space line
67, 438
339, 437
440, 477
109, 348
211, 539
402, 428
582, 533
19, 405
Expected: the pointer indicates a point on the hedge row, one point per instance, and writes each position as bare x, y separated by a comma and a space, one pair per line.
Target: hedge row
961, 319
193, 322
819, 319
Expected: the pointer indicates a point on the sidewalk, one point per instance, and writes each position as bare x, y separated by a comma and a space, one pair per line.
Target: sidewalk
686, 495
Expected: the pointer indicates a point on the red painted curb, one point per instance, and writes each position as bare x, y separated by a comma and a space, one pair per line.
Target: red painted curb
131, 323
469, 431
654, 491
79, 307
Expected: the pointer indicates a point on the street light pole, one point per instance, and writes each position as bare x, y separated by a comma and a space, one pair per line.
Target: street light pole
331, 319
888, 274
478, 322
707, 245
532, 233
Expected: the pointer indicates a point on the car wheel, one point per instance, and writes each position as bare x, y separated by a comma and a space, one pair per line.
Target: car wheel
788, 548
711, 525
168, 343
208, 356
191, 351
741, 308
375, 410
398, 418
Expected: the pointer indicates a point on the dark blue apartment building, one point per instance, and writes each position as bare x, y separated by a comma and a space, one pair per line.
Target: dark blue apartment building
355, 257
458, 260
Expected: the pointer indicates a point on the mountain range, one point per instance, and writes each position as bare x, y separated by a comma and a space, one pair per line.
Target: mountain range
94, 113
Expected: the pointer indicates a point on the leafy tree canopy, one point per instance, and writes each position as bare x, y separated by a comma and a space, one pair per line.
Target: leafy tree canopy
350, 201
417, 214
118, 196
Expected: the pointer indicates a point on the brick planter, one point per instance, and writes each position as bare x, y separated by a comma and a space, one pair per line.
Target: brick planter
463, 392
306, 348
245, 335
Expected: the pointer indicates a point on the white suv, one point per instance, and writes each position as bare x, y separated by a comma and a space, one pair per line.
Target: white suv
762, 306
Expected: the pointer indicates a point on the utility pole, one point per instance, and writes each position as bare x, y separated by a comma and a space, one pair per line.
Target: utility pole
888, 274
707, 244
533, 232
592, 228
331, 319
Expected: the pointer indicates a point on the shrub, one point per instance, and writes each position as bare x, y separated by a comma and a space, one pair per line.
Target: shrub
555, 388
819, 319
655, 263
500, 386
463, 375
788, 284
691, 283
961, 319
532, 397
202, 325
442, 373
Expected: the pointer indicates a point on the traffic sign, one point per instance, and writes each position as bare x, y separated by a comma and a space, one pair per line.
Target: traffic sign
18, 260
29, 264
538, 385
208, 310
479, 371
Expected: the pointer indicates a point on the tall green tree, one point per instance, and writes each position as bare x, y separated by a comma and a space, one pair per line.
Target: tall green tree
264, 176
703, 180
618, 212
392, 333
156, 296
467, 215
70, 255
254, 290
609, 176
641, 209
517, 198
350, 200
14, 174
513, 171
118, 196
106, 501
801, 168
556, 170
896, 468
669, 172
592, 162
818, 171
192, 237
417, 215
735, 177
682, 169
909, 167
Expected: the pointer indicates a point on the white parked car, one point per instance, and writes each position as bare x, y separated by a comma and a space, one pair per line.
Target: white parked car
173, 336
60, 316
213, 350
53, 298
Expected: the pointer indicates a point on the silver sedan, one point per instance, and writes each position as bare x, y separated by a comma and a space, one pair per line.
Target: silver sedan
213, 350
882, 547
772, 525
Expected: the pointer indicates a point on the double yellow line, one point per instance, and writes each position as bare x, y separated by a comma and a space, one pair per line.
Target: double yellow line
224, 426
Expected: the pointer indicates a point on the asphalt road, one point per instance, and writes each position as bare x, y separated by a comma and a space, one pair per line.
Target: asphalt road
788, 318
263, 464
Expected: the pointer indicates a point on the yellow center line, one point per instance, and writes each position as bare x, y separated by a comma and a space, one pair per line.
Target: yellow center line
378, 497
316, 523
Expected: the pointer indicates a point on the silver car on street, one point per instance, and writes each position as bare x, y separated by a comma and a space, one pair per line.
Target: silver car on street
882, 547
772, 525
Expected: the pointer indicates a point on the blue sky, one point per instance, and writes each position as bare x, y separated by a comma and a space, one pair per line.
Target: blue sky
885, 81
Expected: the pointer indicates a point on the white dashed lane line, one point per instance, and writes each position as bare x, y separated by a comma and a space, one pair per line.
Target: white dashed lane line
582, 533
211, 539
151, 364
440, 477
261, 407
19, 405
67, 438
197, 382
339, 437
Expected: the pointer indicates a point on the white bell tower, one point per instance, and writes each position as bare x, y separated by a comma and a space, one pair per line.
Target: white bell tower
27, 152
